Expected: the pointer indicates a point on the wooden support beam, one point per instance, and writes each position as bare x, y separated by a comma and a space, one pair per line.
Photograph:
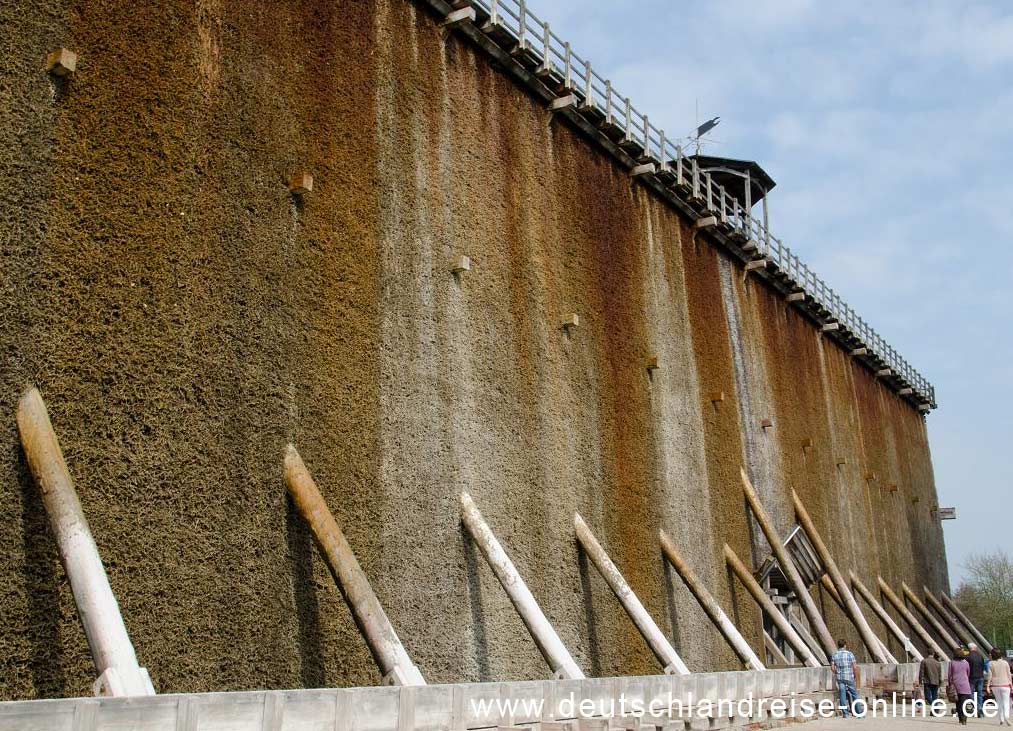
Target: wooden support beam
835, 595
376, 628
119, 673
456, 17
542, 632
811, 642
950, 621
562, 102
831, 590
851, 606
647, 168
967, 622
885, 617
61, 62
788, 568
773, 649
710, 605
941, 632
911, 620
654, 637
779, 620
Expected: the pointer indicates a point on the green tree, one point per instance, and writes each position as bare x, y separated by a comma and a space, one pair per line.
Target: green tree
986, 596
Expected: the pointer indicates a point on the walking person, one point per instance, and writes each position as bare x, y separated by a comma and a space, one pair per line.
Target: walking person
930, 675
1000, 682
976, 661
842, 664
958, 678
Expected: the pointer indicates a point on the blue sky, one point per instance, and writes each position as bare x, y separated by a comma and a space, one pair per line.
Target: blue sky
889, 130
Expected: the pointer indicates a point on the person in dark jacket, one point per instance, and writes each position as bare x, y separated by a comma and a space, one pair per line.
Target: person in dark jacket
976, 661
930, 675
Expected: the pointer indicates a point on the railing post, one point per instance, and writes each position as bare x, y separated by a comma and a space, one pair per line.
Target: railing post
588, 89
568, 66
546, 67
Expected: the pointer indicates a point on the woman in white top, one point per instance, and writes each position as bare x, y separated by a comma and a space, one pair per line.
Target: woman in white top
999, 682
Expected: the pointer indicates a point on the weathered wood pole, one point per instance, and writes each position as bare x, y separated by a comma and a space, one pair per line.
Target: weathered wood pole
112, 652
779, 620
388, 652
788, 568
885, 617
811, 642
967, 622
832, 591
654, 637
851, 606
773, 649
552, 648
945, 636
910, 618
710, 605
951, 622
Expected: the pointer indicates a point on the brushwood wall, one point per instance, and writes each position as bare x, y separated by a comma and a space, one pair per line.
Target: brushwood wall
185, 318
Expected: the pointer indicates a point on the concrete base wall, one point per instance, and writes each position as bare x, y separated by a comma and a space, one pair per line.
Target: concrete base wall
601, 704
185, 318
